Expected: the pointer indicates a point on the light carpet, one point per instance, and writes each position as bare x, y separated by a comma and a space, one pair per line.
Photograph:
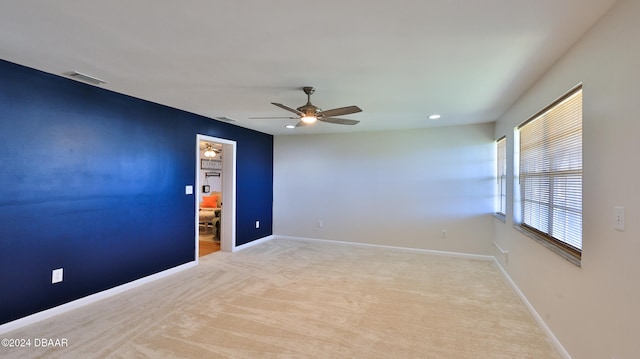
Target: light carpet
305, 299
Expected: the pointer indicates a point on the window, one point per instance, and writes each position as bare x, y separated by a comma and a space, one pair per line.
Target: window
501, 177
550, 175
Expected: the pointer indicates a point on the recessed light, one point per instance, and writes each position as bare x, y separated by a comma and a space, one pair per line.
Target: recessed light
434, 117
290, 126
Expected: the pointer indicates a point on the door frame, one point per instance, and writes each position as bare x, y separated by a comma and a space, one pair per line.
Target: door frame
228, 217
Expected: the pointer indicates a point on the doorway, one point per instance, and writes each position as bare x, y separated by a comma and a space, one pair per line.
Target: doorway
216, 193
210, 197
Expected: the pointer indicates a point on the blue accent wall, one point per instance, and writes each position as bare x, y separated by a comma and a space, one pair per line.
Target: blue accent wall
93, 181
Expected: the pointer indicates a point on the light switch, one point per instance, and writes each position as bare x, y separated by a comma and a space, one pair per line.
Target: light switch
188, 190
618, 218
56, 276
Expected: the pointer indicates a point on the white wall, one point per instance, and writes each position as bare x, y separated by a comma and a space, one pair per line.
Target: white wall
593, 309
394, 188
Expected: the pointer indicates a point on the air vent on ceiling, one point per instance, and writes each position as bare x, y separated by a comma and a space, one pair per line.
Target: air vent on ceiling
86, 78
225, 119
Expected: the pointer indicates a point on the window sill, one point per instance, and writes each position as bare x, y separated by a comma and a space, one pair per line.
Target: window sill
501, 217
545, 243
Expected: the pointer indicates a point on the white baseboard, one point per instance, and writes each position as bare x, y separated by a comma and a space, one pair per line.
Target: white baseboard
46, 314
252, 243
408, 249
556, 343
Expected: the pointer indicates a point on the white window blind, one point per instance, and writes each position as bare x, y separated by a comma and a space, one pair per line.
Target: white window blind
501, 175
551, 173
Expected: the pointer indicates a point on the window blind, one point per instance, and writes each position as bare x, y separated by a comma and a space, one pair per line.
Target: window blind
551, 172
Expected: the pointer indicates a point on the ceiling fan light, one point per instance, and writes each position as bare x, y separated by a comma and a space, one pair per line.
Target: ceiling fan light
309, 119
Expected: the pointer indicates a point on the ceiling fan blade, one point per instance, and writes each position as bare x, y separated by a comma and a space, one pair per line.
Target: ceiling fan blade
340, 111
339, 121
272, 118
288, 108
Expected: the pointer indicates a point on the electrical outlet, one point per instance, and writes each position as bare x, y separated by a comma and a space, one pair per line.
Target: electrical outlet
56, 276
619, 218
319, 223
443, 233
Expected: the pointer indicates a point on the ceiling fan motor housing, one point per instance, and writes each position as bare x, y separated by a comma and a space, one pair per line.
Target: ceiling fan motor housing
309, 109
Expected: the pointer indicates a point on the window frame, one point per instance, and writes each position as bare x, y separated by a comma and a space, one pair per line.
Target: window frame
501, 178
561, 247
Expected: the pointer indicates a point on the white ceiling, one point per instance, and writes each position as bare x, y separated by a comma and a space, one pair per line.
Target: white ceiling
400, 61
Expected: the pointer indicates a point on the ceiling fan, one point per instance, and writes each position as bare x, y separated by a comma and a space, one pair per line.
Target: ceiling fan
308, 113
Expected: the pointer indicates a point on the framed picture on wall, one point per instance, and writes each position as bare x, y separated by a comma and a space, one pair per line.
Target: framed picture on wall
210, 164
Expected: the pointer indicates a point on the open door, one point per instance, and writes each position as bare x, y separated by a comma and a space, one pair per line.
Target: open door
228, 178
